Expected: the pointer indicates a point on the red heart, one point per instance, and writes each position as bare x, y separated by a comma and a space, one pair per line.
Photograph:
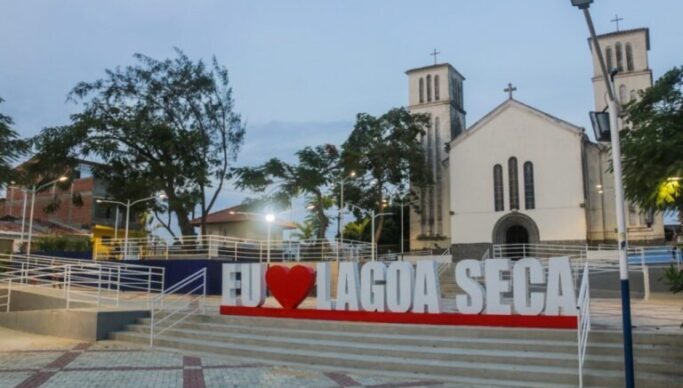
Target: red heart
290, 286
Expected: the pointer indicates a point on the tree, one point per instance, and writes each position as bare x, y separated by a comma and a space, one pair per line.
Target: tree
385, 151
11, 149
310, 176
652, 145
305, 230
156, 126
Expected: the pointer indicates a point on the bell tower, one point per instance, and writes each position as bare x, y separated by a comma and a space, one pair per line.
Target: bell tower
625, 51
437, 91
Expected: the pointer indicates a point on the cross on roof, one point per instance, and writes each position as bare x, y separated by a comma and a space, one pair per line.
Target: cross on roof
435, 53
616, 20
509, 90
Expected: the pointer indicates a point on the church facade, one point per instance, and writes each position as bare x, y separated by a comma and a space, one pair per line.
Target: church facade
520, 175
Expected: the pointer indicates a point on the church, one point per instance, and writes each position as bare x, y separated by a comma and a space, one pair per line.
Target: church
519, 175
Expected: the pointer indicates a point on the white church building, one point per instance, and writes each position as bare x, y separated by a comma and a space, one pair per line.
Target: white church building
518, 174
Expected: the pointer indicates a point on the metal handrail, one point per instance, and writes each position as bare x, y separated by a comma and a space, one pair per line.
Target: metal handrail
196, 282
583, 320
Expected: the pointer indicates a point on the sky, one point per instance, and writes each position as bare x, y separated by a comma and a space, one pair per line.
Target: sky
302, 70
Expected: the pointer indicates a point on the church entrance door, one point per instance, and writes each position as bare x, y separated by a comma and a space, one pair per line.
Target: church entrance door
516, 234
516, 237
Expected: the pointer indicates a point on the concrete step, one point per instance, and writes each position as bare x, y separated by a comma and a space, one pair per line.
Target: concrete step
341, 360
486, 371
503, 354
431, 341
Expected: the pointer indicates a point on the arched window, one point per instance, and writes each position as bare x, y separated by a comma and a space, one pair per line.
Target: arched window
620, 56
529, 196
422, 90
514, 183
608, 55
429, 88
629, 57
498, 199
633, 95
436, 88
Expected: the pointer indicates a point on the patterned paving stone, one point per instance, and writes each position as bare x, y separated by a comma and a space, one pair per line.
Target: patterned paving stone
110, 364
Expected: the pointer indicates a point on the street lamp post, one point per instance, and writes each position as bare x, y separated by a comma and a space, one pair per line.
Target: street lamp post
403, 204
373, 247
340, 230
373, 215
613, 108
33, 202
128, 204
270, 218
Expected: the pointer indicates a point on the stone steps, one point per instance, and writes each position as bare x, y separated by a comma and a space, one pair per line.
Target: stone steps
467, 355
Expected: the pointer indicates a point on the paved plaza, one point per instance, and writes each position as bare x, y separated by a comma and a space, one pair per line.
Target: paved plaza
28, 360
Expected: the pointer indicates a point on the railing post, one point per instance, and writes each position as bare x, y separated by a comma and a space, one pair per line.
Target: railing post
67, 277
204, 293
235, 251
149, 286
151, 324
9, 294
118, 285
99, 287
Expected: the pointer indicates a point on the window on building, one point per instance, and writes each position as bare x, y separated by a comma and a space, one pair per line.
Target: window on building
422, 90
514, 184
436, 88
608, 55
633, 95
529, 196
620, 56
498, 199
629, 57
429, 88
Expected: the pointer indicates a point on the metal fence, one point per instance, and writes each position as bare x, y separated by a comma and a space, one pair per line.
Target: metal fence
185, 298
230, 248
583, 326
99, 284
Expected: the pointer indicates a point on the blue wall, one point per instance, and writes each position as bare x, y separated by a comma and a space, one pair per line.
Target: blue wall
177, 270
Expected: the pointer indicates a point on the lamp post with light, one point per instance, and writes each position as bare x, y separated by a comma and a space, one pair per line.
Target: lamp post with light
269, 218
340, 231
33, 191
128, 204
613, 111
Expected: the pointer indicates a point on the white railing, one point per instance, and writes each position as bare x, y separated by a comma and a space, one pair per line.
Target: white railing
190, 297
100, 284
231, 248
583, 320
46, 277
486, 254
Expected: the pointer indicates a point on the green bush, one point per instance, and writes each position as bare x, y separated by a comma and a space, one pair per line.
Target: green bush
64, 244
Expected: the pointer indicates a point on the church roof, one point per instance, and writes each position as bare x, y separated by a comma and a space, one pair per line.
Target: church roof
436, 67
624, 32
511, 102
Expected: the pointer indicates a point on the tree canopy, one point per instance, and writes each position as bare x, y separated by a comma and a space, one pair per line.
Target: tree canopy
158, 125
652, 145
310, 176
385, 152
12, 147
